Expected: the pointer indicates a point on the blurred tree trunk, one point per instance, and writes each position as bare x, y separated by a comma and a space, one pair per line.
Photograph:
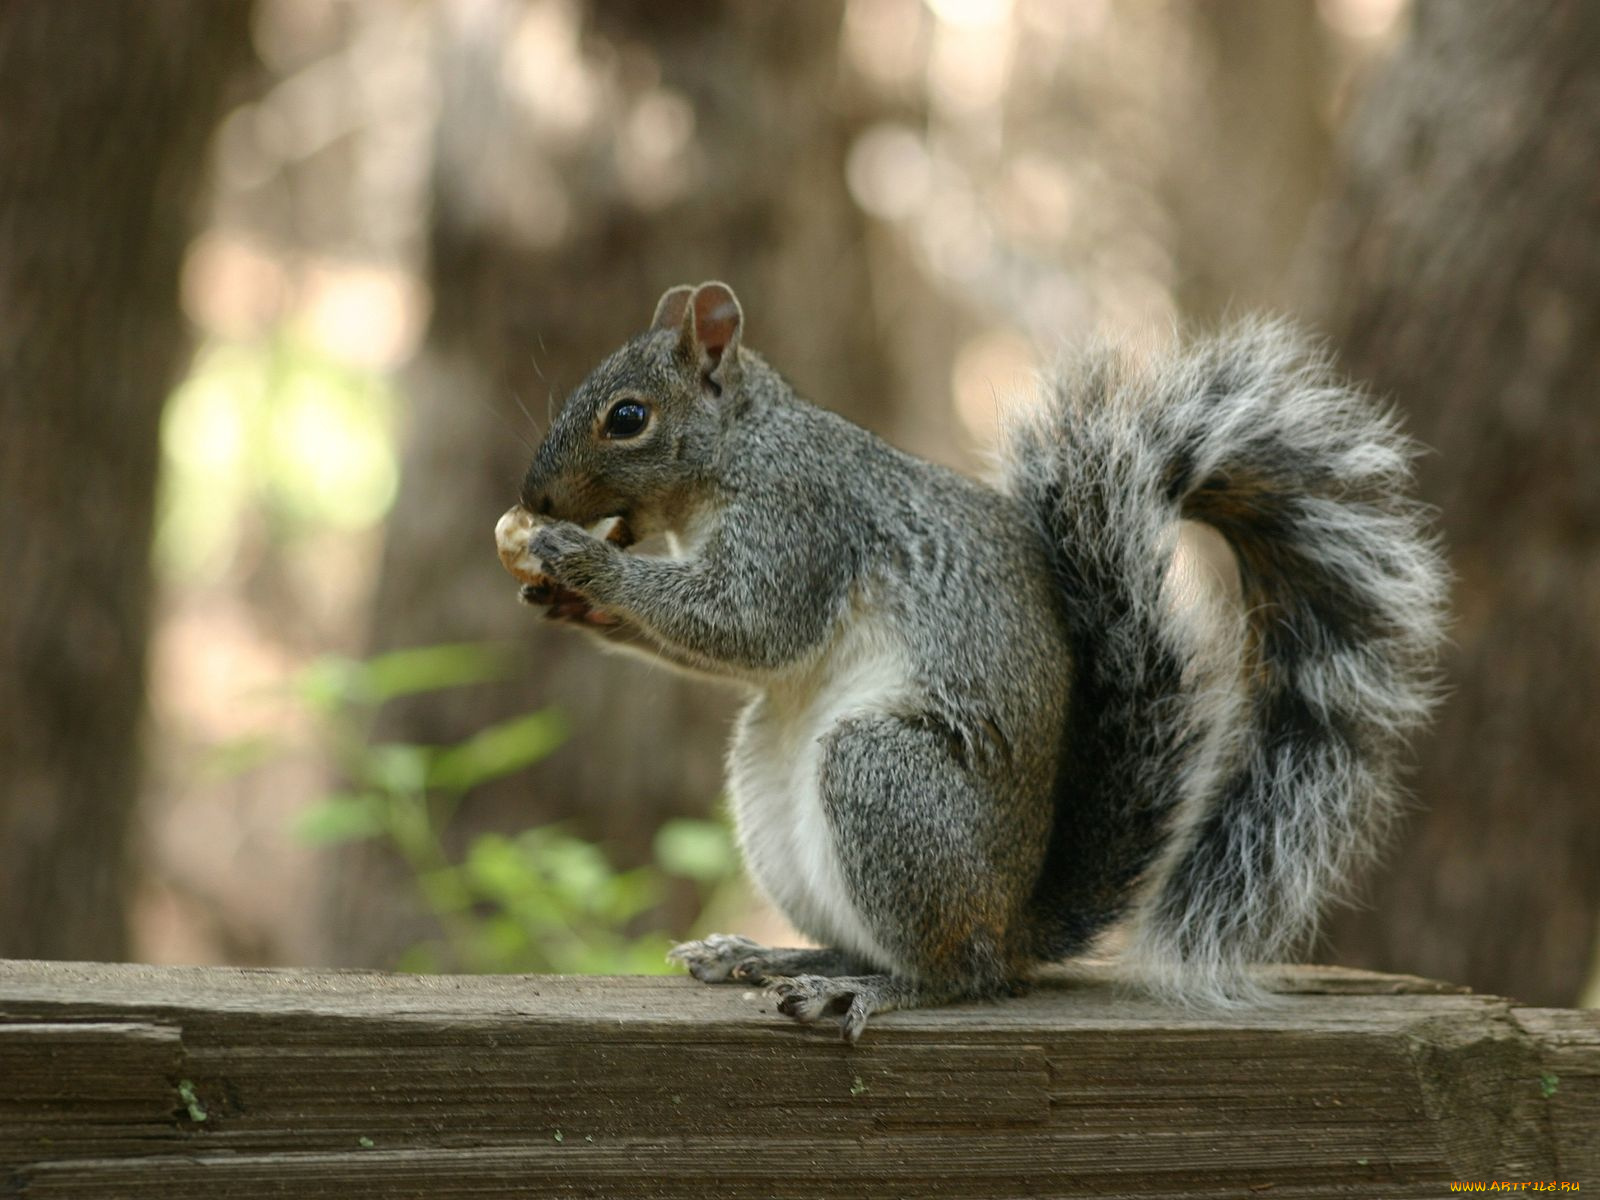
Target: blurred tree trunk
1254, 160
581, 172
1463, 269
107, 114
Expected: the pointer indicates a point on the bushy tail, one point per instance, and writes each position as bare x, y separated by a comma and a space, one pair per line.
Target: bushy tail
1220, 816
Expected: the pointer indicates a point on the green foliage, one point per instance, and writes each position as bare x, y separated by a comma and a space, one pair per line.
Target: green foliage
343, 818
541, 900
698, 850
558, 904
500, 750
343, 685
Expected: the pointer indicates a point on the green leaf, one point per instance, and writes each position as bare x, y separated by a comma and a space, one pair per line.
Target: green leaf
578, 872
331, 683
433, 668
698, 850
499, 750
631, 893
496, 869
398, 768
501, 943
445, 889
342, 818
539, 909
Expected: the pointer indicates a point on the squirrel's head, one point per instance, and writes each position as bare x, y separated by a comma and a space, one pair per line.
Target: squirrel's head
638, 435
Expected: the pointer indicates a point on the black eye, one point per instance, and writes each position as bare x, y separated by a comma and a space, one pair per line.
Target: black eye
626, 419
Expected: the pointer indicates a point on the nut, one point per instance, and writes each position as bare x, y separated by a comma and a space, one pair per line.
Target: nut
511, 536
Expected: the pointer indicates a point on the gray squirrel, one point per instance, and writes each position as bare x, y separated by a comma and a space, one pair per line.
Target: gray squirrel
988, 725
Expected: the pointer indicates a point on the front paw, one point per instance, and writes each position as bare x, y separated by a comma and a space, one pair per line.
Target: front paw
569, 555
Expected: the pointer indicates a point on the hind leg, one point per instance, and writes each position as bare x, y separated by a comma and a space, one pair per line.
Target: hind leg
939, 852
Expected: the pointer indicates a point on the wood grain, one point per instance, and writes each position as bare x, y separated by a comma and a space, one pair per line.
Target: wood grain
349, 1084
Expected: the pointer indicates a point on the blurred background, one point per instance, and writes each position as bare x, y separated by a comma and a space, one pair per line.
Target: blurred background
289, 288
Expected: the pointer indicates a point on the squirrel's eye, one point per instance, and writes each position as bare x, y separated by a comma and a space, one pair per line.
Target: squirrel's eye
626, 418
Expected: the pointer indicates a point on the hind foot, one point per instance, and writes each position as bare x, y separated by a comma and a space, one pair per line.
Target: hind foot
728, 958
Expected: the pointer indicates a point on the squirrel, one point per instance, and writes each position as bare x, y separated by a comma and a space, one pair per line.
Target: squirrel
990, 724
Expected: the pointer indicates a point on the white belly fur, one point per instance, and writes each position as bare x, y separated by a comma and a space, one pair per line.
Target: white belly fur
773, 769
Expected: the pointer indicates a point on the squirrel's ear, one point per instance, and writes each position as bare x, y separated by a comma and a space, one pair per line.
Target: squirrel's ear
718, 320
672, 307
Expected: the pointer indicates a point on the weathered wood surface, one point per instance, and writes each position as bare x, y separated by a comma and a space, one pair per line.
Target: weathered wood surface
330, 1084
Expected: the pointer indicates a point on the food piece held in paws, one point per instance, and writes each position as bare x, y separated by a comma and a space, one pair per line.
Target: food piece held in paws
514, 531
512, 535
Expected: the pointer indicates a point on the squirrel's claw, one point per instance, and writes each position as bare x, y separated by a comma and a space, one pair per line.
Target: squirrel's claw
808, 998
851, 998
563, 604
751, 970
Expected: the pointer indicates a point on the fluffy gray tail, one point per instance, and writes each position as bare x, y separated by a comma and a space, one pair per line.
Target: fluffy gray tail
1221, 779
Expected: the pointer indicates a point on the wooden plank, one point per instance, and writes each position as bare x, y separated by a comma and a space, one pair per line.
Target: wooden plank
355, 1084
86, 1087
1569, 1083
